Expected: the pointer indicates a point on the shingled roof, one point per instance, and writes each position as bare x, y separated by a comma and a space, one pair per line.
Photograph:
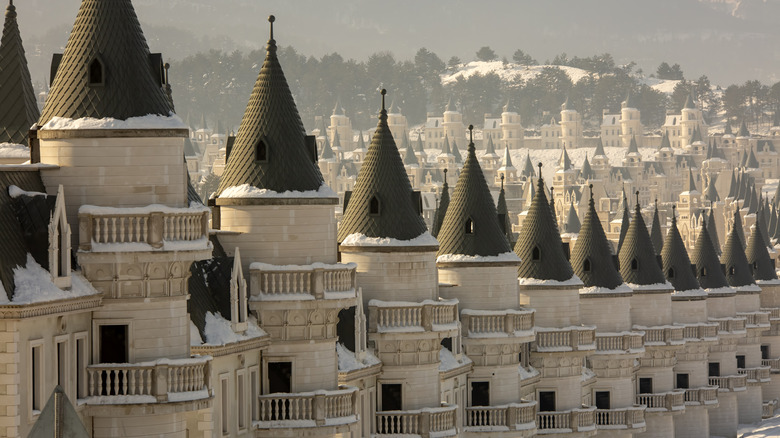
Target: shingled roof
270, 148
625, 222
675, 261
743, 130
441, 209
539, 245
637, 264
106, 70
711, 192
410, 158
740, 229
656, 235
382, 202
733, 258
564, 162
572, 224
752, 161
19, 110
490, 149
705, 256
689, 102
591, 258
599, 149
503, 214
456, 152
471, 224
586, 172
713, 231
528, 167
761, 265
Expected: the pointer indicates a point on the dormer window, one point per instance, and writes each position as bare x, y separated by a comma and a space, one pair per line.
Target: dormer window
261, 151
731, 270
703, 272
634, 264
469, 226
373, 206
536, 254
586, 265
670, 273
96, 72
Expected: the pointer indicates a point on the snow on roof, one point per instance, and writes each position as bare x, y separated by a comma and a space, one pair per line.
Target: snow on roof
12, 150
149, 121
358, 239
248, 191
462, 258
573, 281
152, 208
15, 192
595, 290
349, 362
763, 429
218, 330
34, 285
448, 361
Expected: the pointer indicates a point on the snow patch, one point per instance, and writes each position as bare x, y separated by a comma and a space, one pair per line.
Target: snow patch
249, 191
595, 290
152, 208
357, 239
573, 281
462, 258
149, 121
690, 293
509, 71
654, 286
349, 362
763, 429
448, 361
13, 150
15, 192
34, 285
218, 330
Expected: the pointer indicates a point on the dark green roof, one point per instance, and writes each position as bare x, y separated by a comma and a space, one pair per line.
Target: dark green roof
503, 213
705, 256
696, 135
327, 151
471, 224
271, 118
410, 158
625, 222
510, 107
762, 225
539, 245
592, 246
564, 163
383, 177
761, 265
656, 235
441, 209
445, 147
336, 139
665, 144
772, 224
637, 264
587, 172
690, 185
456, 152
632, 147
676, 264
19, 110
743, 130
599, 149
733, 258
711, 192
752, 161
567, 105
489, 147
419, 146
733, 189
743, 185
630, 101
754, 202
776, 234
528, 168
738, 226
572, 224
450, 106
361, 143
727, 128
689, 102
107, 32
552, 206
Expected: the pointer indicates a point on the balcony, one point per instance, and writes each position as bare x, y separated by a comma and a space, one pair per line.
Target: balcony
700, 332
624, 418
566, 339
672, 401
308, 409
704, 396
729, 383
161, 381
773, 364
107, 229
730, 326
662, 335
774, 312
755, 319
427, 422
302, 282
410, 317
755, 376
575, 420
514, 416
768, 409
497, 324
628, 342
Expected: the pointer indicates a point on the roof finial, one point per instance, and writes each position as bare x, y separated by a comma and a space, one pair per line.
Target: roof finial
540, 169
167, 66
445, 172
637, 200
471, 135
674, 214
384, 92
10, 11
271, 20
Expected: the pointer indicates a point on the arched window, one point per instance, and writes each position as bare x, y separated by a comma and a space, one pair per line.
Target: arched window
586, 265
261, 151
536, 254
96, 72
373, 206
731, 270
469, 226
703, 272
634, 264
670, 273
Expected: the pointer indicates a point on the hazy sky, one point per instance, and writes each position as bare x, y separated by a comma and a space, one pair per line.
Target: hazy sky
713, 37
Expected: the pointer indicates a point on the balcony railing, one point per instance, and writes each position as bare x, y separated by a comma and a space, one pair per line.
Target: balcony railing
768, 409
756, 375
755, 319
774, 312
398, 316
663, 402
773, 364
609, 342
479, 323
440, 422
307, 409
575, 420
662, 335
698, 332
148, 382
106, 225
566, 339
514, 416
271, 282
728, 326
624, 418
729, 383
706, 395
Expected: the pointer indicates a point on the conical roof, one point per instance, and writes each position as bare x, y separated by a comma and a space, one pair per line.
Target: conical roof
743, 130
19, 110
552, 206
539, 245
665, 143
382, 201
689, 102
713, 231
572, 224
690, 185
506, 163
733, 258
58, 419
361, 145
733, 187
587, 172
490, 148
445, 147
510, 107
727, 128
637, 264
591, 258
762, 225
761, 265
751, 201
676, 264
338, 110
739, 227
752, 161
471, 224
776, 234
705, 257
106, 46
456, 152
711, 193
327, 151
336, 139
441, 209
567, 106
564, 163
772, 224
656, 235
599, 149
696, 137
632, 147
528, 168
270, 148
625, 222
630, 101
419, 146
410, 158
744, 186
450, 106
503, 213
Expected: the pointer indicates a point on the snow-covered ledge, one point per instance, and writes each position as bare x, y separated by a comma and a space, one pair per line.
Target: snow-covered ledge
246, 194
361, 243
456, 260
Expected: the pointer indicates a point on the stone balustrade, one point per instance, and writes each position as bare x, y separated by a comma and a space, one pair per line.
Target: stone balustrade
315, 281
439, 422
756, 375
729, 383
565, 339
149, 382
396, 316
755, 319
663, 401
774, 328
699, 332
773, 364
768, 409
574, 420
662, 335
307, 409
774, 312
730, 326
514, 416
629, 341
480, 323
142, 225
706, 395
622, 418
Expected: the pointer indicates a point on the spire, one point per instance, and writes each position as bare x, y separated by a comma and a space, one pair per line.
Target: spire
445, 148
587, 172
744, 186
676, 264
471, 224
419, 146
552, 205
752, 161
456, 152
713, 231
689, 102
490, 148
361, 143
572, 224
19, 110
733, 258
441, 209
705, 256
711, 192
656, 236
450, 106
733, 186
776, 234
506, 164
690, 186
564, 163
539, 245
106, 70
338, 110
59, 418
510, 107
632, 147
727, 129
637, 264
592, 258
567, 106
738, 226
528, 168
630, 101
753, 207
772, 223
625, 223
696, 135
762, 225
336, 139
410, 158
665, 144
327, 151
599, 149
503, 214
382, 202
270, 149
743, 130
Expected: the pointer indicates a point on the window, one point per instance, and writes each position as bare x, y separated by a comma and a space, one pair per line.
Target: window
682, 381
670, 273
713, 369
96, 72
261, 152
634, 264
81, 365
602, 400
546, 401
586, 265
391, 397
703, 272
224, 405
480, 393
536, 254
373, 206
62, 362
469, 226
740, 361
765, 352
279, 377
36, 376
254, 391
241, 396
645, 385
